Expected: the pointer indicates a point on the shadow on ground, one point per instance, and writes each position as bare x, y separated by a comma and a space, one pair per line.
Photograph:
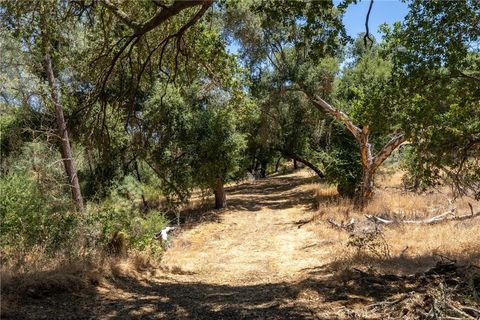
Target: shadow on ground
317, 296
155, 300
275, 193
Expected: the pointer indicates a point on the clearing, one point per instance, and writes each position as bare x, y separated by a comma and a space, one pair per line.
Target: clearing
270, 255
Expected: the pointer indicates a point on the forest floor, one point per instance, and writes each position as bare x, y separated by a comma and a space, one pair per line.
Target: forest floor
272, 255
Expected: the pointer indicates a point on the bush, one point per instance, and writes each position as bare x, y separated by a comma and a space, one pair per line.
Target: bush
35, 208
120, 212
38, 220
32, 218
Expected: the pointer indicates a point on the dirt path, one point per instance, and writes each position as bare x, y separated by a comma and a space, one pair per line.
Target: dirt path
256, 240
254, 260
249, 261
242, 262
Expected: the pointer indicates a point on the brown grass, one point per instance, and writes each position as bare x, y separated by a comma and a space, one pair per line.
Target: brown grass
271, 253
412, 247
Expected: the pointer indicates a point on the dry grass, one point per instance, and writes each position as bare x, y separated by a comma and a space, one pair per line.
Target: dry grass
271, 253
59, 276
412, 247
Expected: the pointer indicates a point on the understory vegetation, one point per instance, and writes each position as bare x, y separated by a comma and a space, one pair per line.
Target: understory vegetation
122, 118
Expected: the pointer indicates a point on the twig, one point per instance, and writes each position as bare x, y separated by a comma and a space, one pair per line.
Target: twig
445, 258
303, 222
465, 308
471, 208
343, 226
460, 312
388, 303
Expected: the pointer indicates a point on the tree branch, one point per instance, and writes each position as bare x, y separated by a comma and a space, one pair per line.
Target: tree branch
339, 115
305, 162
166, 13
367, 32
388, 149
120, 14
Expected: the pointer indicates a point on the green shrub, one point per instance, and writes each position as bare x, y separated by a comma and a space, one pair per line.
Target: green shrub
31, 217
120, 212
41, 220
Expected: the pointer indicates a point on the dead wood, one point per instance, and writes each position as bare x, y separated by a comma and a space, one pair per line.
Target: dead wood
347, 226
446, 216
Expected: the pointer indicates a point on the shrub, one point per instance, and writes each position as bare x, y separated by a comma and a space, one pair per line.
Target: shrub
120, 212
31, 218
38, 221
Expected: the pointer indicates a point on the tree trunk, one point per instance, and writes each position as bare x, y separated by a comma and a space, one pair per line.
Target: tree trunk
370, 163
295, 165
220, 197
297, 159
365, 192
66, 149
277, 164
139, 178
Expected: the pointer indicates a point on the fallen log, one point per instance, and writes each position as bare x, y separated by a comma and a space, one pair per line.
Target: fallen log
446, 216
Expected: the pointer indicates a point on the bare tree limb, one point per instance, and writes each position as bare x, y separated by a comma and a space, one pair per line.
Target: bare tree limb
387, 150
446, 216
367, 31
337, 114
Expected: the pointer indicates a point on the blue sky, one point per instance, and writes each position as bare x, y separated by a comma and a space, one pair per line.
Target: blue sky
383, 11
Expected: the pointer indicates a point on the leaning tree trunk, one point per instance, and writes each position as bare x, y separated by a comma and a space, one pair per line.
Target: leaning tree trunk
370, 163
277, 164
297, 159
66, 149
220, 197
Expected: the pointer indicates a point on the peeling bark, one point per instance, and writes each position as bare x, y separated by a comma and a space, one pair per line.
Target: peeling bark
370, 163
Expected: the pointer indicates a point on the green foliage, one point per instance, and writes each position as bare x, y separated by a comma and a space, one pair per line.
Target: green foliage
30, 217
34, 205
436, 58
37, 215
121, 211
342, 165
362, 92
218, 145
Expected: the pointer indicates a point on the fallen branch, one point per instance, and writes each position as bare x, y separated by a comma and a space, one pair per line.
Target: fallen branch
389, 303
301, 223
471, 310
459, 312
446, 216
379, 220
342, 226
